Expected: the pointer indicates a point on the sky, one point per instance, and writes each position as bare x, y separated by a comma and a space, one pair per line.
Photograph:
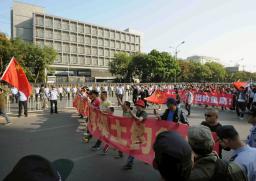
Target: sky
225, 29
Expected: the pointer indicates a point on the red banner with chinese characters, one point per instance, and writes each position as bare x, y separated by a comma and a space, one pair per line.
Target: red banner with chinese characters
213, 99
129, 136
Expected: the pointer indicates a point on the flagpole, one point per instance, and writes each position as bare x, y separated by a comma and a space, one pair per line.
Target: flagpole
7, 67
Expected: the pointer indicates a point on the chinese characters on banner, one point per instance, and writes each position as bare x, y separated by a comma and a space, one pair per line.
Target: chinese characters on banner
129, 136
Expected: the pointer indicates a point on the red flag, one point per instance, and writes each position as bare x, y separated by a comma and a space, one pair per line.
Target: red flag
239, 84
159, 97
15, 76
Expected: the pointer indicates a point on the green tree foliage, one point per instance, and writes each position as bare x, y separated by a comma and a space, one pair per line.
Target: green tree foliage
33, 59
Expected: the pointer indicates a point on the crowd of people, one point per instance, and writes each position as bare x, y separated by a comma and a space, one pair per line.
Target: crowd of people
191, 159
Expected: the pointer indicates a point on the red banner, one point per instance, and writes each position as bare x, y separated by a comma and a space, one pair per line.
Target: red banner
128, 135
81, 105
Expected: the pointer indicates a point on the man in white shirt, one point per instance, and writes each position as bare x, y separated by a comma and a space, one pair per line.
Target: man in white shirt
53, 96
120, 92
60, 91
37, 91
68, 92
14, 91
23, 102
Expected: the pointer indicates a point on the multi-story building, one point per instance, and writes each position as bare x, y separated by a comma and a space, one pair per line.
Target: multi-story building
203, 59
83, 49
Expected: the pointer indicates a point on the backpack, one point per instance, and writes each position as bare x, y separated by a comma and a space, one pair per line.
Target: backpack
225, 171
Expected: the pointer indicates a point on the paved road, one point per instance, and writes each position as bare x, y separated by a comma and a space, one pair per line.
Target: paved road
54, 137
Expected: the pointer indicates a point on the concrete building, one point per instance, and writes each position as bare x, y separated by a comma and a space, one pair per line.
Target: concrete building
84, 50
203, 59
234, 69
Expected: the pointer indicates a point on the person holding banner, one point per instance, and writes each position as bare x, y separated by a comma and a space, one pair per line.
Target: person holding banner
172, 113
139, 116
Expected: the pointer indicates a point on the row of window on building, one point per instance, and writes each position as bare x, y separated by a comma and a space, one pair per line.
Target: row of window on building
65, 25
67, 59
87, 49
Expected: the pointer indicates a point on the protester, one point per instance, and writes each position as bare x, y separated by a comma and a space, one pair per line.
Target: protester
2, 107
172, 113
243, 155
212, 122
53, 96
140, 116
207, 164
189, 101
173, 162
251, 139
241, 101
23, 102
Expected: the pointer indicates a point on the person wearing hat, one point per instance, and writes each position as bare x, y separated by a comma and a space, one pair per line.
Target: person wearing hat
173, 162
251, 139
243, 155
207, 164
172, 113
38, 168
139, 116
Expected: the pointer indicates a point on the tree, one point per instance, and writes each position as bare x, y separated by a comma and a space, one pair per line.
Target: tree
218, 72
33, 59
120, 66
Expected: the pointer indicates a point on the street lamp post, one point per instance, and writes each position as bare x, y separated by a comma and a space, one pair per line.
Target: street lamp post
176, 56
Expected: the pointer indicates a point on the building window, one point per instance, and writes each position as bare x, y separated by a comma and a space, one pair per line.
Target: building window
137, 40
80, 49
100, 42
40, 43
94, 41
94, 61
132, 47
80, 39
118, 45
106, 43
132, 39
100, 32
127, 38
88, 60
81, 60
122, 37
101, 62
80, 28
122, 46
40, 33
57, 23
48, 34
87, 29
101, 52
65, 36
112, 53
88, 50
57, 46
112, 44
106, 62
58, 59
73, 49
88, 40
65, 47
73, 27
94, 51
65, 59
73, 59
39, 20
57, 35
127, 46
48, 22
94, 31
65, 25
73, 37
137, 48
117, 36
106, 53
106, 33
112, 34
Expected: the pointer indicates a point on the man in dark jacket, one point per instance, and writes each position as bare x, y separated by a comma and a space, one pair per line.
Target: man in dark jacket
172, 113
207, 165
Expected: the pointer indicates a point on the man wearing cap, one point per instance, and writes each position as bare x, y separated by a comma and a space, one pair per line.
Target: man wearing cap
172, 113
173, 162
207, 165
243, 155
140, 116
251, 139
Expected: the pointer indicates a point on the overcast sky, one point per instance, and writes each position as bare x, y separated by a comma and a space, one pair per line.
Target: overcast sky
224, 29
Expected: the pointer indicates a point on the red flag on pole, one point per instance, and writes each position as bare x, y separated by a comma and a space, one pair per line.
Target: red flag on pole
15, 76
159, 97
